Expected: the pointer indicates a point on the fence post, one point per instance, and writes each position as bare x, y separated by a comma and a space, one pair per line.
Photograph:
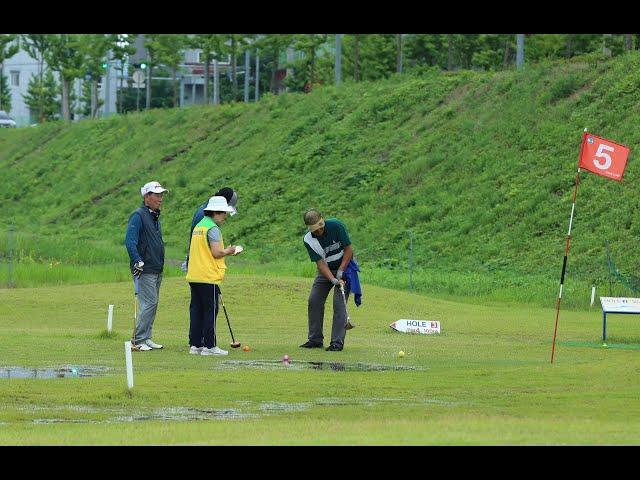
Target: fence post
410, 260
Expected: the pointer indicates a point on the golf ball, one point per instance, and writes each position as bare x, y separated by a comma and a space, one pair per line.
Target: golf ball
401, 354
285, 358
246, 348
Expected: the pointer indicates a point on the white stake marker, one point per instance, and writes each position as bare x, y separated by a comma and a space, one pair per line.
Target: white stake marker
593, 294
110, 318
127, 357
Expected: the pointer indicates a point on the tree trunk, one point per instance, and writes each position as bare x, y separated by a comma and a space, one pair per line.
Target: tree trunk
356, 59
606, 38
507, 54
149, 76
234, 78
450, 52
1, 77
206, 80
119, 92
65, 99
175, 88
628, 42
569, 46
398, 53
41, 90
94, 97
272, 81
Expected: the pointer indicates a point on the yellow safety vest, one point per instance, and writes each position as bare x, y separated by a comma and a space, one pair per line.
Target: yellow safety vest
203, 266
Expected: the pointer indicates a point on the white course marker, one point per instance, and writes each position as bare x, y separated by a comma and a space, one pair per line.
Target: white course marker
593, 295
127, 357
110, 318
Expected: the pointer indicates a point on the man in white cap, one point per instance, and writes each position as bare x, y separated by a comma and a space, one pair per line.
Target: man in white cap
146, 254
205, 273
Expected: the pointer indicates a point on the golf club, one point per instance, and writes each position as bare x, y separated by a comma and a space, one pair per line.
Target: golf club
234, 344
135, 347
348, 325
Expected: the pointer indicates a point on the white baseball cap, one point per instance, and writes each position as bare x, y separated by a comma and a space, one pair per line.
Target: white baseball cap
152, 187
218, 204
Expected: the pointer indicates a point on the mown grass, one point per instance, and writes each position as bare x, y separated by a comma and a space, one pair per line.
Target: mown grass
486, 379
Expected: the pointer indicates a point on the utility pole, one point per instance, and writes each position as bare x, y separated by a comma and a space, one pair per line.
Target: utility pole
149, 68
257, 97
338, 66
399, 54
216, 81
247, 71
520, 51
107, 86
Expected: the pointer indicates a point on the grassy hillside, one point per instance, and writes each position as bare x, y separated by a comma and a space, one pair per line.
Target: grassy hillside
478, 166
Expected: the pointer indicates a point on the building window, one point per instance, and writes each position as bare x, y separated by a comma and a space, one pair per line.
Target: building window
15, 78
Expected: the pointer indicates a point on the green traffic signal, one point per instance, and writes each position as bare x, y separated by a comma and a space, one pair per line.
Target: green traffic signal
143, 66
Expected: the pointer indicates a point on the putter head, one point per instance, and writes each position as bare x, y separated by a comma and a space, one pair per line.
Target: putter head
235, 345
349, 325
135, 348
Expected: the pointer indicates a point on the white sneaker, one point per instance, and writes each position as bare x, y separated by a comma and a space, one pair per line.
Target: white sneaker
152, 344
195, 350
141, 347
213, 351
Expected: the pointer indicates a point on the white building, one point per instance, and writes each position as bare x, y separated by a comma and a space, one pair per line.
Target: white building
21, 67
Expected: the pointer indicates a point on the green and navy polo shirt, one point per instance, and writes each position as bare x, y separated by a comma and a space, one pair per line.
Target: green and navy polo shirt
329, 246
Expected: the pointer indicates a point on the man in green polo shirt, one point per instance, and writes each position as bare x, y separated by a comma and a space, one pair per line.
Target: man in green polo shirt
328, 245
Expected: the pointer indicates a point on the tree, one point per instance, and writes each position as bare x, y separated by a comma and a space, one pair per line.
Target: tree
36, 45
94, 49
309, 45
42, 97
121, 48
8, 48
89, 103
65, 56
5, 94
168, 50
273, 46
211, 45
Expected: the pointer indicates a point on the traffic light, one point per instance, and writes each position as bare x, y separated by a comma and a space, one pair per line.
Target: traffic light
141, 66
105, 65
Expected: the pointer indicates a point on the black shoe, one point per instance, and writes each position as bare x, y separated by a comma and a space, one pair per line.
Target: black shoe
311, 344
333, 348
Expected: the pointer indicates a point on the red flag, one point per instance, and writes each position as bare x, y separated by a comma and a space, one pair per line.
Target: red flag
603, 157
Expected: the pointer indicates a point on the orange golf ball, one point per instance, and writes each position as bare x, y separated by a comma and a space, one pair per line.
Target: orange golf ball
246, 348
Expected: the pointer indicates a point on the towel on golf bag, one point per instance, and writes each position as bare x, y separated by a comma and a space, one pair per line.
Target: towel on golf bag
351, 275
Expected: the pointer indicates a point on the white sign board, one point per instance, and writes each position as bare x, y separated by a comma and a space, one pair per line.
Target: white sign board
138, 76
620, 304
407, 325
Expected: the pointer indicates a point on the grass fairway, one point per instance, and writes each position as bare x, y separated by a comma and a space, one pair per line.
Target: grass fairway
485, 380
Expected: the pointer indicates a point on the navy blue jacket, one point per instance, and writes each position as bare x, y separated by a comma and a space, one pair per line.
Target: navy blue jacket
144, 240
351, 276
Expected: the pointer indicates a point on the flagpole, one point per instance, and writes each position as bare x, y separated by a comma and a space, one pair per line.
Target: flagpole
566, 251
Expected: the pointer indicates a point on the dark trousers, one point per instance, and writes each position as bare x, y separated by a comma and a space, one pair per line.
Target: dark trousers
320, 290
203, 311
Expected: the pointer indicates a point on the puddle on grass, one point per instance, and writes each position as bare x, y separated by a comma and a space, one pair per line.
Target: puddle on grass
184, 413
66, 371
299, 365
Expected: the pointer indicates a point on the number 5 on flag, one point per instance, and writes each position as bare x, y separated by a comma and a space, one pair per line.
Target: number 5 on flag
603, 157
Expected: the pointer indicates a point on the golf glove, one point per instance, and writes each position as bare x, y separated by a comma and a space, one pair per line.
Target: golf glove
335, 281
137, 268
339, 274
